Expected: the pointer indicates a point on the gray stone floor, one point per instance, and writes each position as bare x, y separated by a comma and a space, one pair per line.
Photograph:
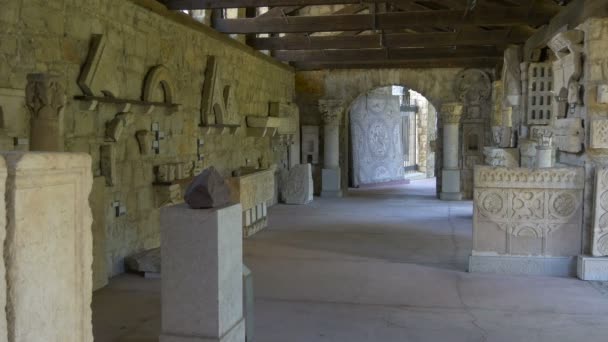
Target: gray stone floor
383, 264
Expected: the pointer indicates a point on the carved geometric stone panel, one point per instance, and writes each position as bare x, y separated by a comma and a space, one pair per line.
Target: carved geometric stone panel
599, 133
538, 212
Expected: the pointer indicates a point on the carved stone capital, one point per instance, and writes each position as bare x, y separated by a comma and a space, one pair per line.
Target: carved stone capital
451, 112
45, 96
331, 111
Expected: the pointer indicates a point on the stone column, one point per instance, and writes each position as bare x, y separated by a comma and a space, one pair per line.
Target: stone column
45, 99
331, 111
450, 175
48, 245
544, 149
202, 270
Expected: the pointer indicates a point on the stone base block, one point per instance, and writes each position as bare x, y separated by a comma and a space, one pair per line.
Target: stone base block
523, 265
592, 268
236, 334
330, 183
450, 196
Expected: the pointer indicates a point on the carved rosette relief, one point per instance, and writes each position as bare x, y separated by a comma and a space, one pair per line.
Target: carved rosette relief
600, 214
527, 203
45, 99
331, 111
451, 113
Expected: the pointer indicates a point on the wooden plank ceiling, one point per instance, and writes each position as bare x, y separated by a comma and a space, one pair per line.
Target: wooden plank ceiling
381, 34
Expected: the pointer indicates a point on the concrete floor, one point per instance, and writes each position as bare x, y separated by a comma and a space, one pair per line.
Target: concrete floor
383, 264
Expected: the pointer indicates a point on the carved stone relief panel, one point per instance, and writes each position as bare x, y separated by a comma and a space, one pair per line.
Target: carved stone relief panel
472, 154
602, 93
568, 134
600, 213
528, 212
599, 133
376, 136
567, 70
540, 95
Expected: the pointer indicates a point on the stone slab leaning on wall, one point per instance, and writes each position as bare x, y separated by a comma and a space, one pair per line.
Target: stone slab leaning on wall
48, 247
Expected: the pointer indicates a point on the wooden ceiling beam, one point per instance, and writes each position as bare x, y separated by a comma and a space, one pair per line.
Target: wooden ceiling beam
394, 40
211, 4
479, 62
363, 55
386, 21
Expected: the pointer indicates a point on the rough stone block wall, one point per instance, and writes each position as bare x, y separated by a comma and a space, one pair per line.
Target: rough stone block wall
54, 36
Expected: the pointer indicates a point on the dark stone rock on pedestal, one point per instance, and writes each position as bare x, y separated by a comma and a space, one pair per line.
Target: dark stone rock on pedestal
207, 190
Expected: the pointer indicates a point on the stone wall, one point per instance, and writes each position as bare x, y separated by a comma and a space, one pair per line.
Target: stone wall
55, 37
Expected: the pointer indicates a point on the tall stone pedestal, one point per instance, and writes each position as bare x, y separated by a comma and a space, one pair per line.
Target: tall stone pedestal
330, 186
202, 284
48, 254
450, 188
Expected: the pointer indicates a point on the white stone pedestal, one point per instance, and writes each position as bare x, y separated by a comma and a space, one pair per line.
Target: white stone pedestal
450, 190
49, 252
592, 268
202, 284
330, 183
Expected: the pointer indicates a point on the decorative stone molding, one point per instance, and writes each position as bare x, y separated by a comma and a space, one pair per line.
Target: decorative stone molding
602, 94
159, 77
331, 111
451, 112
555, 178
46, 100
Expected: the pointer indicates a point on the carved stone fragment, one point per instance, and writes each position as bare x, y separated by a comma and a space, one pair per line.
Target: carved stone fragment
218, 105
159, 86
298, 187
207, 190
45, 98
599, 133
144, 139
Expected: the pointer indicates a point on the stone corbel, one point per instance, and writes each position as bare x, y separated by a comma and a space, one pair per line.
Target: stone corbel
262, 126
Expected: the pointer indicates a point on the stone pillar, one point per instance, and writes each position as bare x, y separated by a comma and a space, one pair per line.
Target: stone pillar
544, 150
202, 270
331, 111
3, 325
48, 245
45, 98
450, 175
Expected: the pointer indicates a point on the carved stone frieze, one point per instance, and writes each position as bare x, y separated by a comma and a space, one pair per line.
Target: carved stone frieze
46, 100
331, 111
600, 213
529, 206
555, 178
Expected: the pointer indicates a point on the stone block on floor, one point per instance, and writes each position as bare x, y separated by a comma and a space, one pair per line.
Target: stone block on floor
298, 188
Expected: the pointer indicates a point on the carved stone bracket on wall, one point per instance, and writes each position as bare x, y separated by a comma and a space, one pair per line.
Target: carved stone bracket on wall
258, 126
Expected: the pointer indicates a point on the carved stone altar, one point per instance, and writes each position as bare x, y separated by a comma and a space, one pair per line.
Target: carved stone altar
527, 221
254, 191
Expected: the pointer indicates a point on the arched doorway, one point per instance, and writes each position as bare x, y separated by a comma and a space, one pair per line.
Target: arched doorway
391, 131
